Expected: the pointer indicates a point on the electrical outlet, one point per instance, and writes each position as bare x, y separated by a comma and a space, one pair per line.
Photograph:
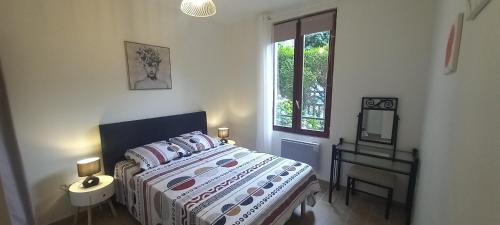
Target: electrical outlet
64, 187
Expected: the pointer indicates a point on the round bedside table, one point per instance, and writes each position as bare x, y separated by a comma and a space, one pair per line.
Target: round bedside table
88, 197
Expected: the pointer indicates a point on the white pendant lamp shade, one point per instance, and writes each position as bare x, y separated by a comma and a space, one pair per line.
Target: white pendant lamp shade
198, 8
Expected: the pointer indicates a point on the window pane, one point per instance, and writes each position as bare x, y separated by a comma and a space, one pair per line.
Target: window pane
284, 58
314, 80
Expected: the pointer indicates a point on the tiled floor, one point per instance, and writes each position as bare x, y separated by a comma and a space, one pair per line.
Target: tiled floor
363, 210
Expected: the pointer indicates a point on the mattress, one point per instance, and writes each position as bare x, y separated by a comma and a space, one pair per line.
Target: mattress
224, 185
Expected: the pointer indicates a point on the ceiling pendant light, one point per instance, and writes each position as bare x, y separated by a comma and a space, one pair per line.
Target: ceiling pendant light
198, 8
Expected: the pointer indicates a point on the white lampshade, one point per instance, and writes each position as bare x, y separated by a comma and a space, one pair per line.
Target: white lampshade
198, 8
223, 132
88, 167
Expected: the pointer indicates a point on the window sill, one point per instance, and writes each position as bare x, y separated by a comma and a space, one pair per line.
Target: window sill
325, 134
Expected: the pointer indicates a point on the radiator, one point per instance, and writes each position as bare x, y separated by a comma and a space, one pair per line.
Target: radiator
305, 152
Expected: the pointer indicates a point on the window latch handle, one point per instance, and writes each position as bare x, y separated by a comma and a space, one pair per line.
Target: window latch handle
297, 104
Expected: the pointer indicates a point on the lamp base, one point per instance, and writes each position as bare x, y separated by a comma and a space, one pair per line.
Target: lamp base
90, 181
223, 141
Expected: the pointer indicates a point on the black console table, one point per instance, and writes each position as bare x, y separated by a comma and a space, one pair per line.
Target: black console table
402, 162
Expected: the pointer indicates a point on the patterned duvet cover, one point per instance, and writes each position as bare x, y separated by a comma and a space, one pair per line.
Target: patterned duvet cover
224, 185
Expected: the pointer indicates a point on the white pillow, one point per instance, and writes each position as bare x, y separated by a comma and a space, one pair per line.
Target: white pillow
195, 141
155, 154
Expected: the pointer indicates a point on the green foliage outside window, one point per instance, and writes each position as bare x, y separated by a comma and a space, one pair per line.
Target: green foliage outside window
314, 82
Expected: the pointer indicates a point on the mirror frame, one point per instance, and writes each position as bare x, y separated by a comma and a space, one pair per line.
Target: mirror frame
381, 104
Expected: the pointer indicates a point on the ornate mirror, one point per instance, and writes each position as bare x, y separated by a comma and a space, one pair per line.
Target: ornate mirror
378, 120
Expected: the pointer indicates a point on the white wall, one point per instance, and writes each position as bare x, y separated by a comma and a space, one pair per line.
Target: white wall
65, 70
381, 50
458, 182
242, 64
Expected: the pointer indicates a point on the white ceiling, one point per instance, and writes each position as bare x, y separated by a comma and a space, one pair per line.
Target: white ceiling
230, 11
233, 11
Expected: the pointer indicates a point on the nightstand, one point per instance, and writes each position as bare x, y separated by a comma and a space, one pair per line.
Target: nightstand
87, 197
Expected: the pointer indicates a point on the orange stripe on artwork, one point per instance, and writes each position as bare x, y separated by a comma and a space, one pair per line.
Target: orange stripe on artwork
449, 47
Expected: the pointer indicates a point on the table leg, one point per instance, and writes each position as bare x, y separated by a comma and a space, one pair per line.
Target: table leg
303, 208
332, 165
75, 221
112, 207
388, 204
411, 190
353, 187
339, 165
89, 215
347, 190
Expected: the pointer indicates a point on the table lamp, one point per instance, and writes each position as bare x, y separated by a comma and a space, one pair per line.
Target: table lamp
87, 168
223, 134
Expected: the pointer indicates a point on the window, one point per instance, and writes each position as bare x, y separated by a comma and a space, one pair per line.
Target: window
303, 65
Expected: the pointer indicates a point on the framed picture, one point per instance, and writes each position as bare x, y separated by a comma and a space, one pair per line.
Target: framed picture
148, 66
474, 7
453, 45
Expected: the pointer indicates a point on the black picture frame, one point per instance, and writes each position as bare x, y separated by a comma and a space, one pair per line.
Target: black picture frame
148, 66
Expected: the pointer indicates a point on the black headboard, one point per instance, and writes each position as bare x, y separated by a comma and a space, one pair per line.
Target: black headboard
116, 138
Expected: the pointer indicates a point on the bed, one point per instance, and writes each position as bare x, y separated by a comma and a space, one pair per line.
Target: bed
223, 185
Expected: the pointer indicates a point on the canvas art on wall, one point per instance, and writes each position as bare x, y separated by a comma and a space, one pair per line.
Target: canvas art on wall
453, 45
474, 7
148, 66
